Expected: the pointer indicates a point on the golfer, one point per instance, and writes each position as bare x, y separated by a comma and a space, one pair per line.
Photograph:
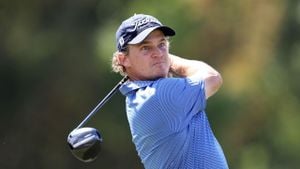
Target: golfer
166, 114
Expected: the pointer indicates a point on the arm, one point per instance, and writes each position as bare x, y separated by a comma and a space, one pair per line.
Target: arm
186, 68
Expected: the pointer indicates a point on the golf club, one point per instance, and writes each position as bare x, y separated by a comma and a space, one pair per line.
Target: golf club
85, 142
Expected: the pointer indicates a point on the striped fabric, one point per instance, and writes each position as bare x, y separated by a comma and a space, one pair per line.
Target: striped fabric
169, 125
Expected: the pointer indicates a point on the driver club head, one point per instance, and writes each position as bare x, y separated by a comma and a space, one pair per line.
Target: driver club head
85, 143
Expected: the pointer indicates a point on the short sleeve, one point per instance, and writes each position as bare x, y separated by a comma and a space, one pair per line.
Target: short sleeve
181, 99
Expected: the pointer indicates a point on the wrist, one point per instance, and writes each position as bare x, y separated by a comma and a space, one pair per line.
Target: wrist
177, 65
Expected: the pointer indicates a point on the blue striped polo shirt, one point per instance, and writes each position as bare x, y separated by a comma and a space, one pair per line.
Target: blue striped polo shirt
169, 125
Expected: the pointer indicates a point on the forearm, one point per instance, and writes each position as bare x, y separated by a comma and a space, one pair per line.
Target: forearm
186, 68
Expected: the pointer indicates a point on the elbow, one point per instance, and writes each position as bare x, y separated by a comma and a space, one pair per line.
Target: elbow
213, 83
217, 82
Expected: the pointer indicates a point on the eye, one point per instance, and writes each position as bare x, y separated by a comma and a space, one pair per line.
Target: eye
162, 45
145, 48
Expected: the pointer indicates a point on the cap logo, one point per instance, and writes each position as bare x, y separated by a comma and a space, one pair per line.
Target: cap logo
142, 22
121, 41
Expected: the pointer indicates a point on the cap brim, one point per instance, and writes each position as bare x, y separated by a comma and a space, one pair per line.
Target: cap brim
141, 36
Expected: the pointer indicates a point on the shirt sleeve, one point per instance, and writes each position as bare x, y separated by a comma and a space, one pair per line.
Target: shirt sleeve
181, 99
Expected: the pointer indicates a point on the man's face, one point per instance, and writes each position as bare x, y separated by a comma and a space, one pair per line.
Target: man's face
149, 59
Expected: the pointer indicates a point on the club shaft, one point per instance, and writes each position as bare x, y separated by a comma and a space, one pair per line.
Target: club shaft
102, 102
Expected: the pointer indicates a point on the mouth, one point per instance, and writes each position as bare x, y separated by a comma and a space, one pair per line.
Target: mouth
158, 63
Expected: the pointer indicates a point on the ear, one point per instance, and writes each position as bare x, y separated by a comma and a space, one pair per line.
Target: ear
123, 59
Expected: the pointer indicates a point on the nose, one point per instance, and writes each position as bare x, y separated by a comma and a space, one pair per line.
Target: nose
157, 52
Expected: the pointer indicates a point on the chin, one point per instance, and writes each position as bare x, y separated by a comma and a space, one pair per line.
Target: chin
162, 75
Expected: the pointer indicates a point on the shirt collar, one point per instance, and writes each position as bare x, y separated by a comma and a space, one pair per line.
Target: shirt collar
133, 85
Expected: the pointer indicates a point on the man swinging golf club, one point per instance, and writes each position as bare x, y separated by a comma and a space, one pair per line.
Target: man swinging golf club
166, 114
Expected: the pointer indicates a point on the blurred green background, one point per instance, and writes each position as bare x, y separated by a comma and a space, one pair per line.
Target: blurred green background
55, 67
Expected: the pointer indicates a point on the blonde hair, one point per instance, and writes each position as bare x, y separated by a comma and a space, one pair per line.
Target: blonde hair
116, 66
